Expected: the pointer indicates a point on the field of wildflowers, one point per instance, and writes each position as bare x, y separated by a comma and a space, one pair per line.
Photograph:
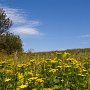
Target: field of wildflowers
54, 71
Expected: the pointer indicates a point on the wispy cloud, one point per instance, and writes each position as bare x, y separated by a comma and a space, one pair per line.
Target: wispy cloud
22, 25
85, 36
26, 30
16, 15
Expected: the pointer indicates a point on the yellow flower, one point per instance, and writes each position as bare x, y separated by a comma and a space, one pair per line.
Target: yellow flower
7, 79
20, 75
71, 59
67, 66
17, 88
32, 79
37, 75
48, 89
39, 80
21, 65
59, 66
23, 86
84, 70
48, 59
53, 70
8, 71
81, 75
66, 54
30, 73
32, 61
2, 62
53, 61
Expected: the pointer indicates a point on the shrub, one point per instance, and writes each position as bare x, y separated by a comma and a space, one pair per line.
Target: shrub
10, 43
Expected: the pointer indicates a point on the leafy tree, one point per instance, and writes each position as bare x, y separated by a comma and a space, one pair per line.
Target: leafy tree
5, 22
10, 43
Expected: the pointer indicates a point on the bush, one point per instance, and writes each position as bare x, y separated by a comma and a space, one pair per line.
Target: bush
10, 43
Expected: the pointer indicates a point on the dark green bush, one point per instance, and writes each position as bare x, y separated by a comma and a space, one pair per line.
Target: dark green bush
10, 43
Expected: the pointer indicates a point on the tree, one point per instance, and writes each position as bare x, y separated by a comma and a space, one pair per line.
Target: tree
10, 43
5, 23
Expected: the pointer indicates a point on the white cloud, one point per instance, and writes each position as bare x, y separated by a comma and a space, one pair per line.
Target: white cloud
22, 25
34, 23
85, 36
26, 30
16, 15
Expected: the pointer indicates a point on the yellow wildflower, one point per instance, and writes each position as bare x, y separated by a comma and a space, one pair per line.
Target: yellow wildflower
30, 73
23, 86
7, 79
32, 61
53, 70
48, 89
32, 79
59, 66
8, 71
20, 75
81, 75
37, 75
21, 65
67, 66
66, 54
53, 61
39, 80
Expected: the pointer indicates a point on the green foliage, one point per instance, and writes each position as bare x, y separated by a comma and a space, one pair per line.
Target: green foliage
10, 43
5, 23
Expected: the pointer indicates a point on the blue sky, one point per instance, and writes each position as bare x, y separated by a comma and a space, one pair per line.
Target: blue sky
46, 25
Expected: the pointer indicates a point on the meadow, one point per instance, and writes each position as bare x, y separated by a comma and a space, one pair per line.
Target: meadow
55, 70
